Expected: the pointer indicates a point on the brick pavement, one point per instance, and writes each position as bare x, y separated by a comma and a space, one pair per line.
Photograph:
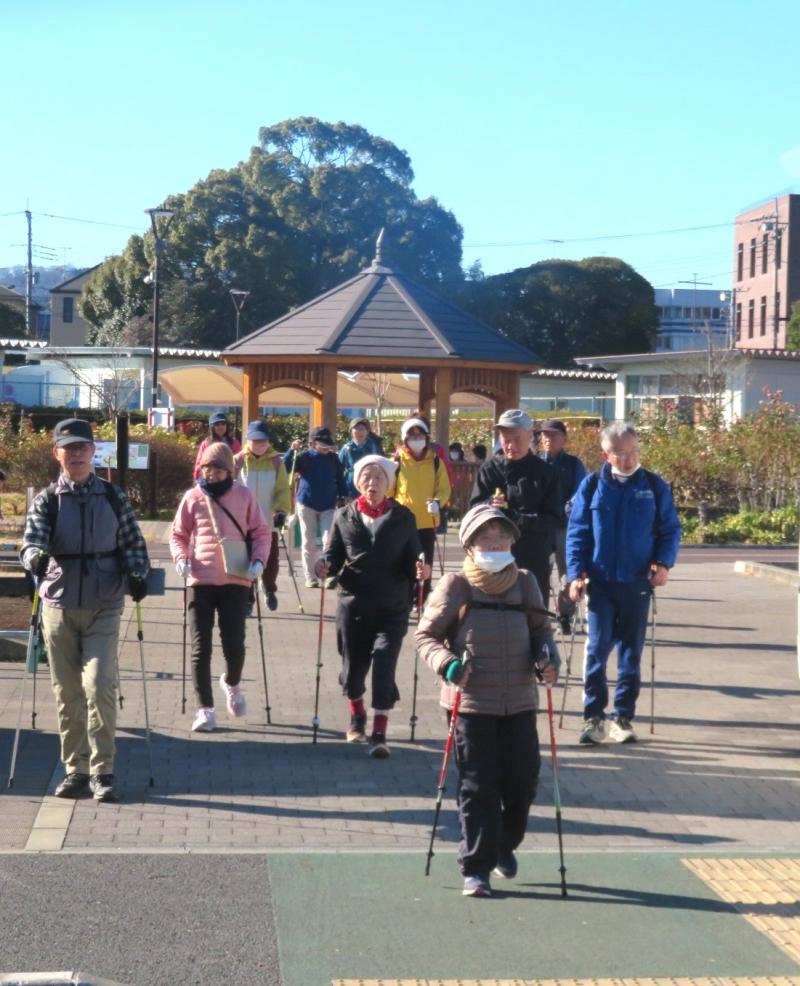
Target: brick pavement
720, 773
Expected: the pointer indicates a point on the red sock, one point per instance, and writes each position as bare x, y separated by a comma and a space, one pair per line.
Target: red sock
357, 707
380, 723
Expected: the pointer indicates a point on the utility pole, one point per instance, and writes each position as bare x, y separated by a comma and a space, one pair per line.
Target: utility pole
29, 276
772, 224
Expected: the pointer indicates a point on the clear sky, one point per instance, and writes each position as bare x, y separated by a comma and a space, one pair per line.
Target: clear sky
532, 121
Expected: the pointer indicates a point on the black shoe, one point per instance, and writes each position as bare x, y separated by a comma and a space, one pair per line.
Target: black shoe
358, 729
272, 601
73, 786
565, 622
250, 608
377, 746
506, 865
103, 788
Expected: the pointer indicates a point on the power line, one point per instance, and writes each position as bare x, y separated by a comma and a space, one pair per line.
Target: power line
595, 239
91, 222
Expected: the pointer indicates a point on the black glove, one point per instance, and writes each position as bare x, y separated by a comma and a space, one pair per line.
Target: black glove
279, 519
137, 586
41, 563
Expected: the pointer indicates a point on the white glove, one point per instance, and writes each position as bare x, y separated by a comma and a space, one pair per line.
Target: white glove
183, 567
255, 570
433, 507
290, 521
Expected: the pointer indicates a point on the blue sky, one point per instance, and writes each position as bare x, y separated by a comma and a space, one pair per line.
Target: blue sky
531, 121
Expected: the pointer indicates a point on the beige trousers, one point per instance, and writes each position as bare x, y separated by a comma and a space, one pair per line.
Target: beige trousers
82, 650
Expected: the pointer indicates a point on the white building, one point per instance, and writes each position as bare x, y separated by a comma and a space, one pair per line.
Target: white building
688, 316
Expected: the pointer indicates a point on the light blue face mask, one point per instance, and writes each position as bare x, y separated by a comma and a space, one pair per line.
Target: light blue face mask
492, 561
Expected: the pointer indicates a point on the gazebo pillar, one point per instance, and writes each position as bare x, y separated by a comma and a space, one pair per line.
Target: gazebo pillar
509, 398
249, 396
427, 391
444, 389
324, 408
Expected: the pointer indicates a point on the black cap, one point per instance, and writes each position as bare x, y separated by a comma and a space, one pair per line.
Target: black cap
553, 425
70, 431
322, 435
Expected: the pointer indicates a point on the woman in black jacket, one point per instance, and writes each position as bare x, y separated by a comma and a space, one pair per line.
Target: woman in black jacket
373, 549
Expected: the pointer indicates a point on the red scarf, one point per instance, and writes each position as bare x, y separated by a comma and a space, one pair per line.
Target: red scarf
362, 506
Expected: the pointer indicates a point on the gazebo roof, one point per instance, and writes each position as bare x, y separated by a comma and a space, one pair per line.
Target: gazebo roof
381, 315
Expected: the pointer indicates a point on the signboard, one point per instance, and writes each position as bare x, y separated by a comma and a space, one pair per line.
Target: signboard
161, 417
105, 455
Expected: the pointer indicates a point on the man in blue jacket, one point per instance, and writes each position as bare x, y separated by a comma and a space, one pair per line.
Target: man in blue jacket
622, 539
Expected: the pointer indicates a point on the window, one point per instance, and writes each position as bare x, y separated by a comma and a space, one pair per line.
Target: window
706, 313
738, 320
67, 307
751, 312
753, 257
778, 242
763, 315
740, 262
715, 313
764, 253
687, 312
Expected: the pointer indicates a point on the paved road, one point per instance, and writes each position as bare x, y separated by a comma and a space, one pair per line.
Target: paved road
242, 851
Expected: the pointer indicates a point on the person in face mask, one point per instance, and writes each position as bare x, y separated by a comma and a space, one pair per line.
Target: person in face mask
623, 537
485, 630
422, 483
215, 510
362, 442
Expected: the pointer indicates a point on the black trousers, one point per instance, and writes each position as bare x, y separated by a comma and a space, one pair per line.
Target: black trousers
532, 551
369, 638
498, 763
230, 602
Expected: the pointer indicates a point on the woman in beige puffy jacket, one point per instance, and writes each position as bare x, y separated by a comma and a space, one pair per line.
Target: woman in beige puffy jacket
486, 632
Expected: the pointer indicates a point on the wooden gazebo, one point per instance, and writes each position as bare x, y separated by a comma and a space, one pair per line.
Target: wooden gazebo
380, 322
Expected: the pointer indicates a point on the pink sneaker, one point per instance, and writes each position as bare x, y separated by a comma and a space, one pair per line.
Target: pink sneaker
204, 721
234, 697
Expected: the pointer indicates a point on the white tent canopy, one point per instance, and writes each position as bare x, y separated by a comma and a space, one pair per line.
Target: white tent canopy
204, 385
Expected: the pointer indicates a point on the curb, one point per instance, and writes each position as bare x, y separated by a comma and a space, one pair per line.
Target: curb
763, 571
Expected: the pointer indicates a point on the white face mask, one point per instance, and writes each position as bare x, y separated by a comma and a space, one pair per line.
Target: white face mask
492, 561
621, 474
416, 444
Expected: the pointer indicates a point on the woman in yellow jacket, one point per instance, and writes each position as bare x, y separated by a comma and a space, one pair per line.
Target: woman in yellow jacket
260, 468
421, 484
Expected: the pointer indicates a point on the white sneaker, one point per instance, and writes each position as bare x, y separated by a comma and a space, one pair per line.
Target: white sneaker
204, 721
621, 730
594, 731
234, 697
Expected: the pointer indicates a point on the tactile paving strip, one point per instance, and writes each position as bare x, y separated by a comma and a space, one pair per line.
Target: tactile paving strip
765, 891
677, 981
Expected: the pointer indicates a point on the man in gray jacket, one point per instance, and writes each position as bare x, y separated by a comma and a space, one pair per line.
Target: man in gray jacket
83, 546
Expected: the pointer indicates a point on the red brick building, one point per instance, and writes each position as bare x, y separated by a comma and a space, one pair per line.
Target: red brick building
766, 271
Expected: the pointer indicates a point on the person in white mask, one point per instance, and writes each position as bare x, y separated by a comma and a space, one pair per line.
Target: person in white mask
422, 483
486, 631
623, 537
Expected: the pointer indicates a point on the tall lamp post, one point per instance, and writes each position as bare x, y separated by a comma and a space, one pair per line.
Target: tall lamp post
159, 230
238, 297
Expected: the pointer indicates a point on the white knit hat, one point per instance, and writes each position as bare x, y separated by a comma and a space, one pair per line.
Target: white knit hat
406, 427
388, 466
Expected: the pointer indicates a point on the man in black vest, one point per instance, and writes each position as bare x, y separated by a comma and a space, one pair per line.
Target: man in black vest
83, 546
571, 471
515, 480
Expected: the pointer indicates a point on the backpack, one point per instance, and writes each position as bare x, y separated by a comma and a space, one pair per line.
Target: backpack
530, 611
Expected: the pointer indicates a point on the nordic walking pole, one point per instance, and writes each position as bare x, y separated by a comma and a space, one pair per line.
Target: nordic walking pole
653, 666
556, 795
420, 592
439, 552
186, 575
291, 571
30, 654
448, 746
267, 708
315, 720
140, 635
568, 671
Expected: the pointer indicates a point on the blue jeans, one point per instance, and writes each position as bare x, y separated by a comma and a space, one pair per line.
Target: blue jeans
617, 615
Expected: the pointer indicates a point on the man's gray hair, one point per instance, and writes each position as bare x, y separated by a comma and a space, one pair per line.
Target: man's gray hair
612, 433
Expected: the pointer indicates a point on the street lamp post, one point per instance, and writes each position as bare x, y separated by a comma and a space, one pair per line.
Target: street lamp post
238, 297
159, 230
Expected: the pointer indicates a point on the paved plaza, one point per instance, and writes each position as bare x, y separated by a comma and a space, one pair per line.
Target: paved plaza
260, 857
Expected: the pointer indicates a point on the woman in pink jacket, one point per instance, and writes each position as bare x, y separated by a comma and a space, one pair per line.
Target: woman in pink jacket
214, 511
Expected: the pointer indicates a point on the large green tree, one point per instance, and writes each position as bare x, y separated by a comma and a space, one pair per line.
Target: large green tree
300, 215
564, 308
